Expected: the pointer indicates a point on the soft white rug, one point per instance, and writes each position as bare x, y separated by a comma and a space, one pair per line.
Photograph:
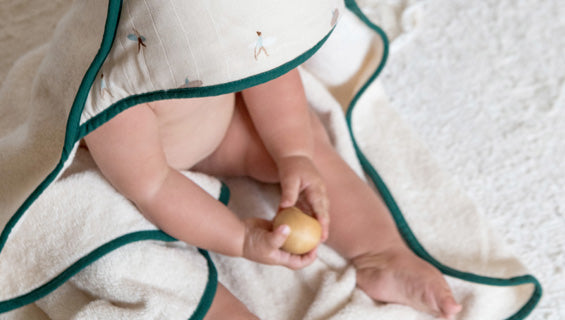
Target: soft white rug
483, 84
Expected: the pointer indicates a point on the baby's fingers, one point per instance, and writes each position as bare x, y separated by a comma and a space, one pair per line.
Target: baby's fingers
318, 200
290, 190
296, 262
277, 238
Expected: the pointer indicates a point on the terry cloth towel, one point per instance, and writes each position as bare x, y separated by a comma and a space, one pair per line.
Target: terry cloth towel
71, 247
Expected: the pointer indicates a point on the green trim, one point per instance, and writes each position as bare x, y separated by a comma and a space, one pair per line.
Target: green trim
212, 286
53, 284
112, 18
71, 138
401, 223
224, 194
196, 92
209, 291
80, 264
75, 131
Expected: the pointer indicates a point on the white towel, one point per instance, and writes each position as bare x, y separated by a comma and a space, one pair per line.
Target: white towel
79, 221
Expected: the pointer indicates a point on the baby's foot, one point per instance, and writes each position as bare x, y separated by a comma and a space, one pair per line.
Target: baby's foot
399, 276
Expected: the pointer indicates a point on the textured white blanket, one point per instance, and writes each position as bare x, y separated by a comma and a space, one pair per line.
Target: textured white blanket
435, 208
483, 85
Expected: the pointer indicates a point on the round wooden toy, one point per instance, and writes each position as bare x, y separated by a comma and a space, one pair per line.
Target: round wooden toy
305, 231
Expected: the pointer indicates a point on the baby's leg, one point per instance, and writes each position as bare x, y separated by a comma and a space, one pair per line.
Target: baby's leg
361, 228
226, 306
241, 152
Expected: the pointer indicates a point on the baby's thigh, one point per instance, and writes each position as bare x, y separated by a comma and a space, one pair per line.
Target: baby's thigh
241, 152
226, 306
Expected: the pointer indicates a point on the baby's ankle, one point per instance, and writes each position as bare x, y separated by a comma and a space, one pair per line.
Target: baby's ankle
381, 256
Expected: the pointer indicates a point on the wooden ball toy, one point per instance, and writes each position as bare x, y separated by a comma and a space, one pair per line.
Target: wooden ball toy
305, 231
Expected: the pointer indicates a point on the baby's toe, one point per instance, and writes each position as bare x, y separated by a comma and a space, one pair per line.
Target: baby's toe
449, 307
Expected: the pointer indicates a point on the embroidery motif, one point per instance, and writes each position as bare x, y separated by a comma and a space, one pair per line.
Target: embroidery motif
137, 37
191, 84
260, 45
104, 90
335, 16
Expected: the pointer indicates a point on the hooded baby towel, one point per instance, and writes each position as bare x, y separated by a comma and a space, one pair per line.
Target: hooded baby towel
58, 216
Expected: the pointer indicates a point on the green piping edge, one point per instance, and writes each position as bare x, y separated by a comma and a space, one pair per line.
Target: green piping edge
75, 131
53, 284
101, 251
113, 15
401, 223
112, 18
212, 285
179, 93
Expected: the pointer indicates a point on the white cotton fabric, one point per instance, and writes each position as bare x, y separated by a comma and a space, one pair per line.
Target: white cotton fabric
181, 44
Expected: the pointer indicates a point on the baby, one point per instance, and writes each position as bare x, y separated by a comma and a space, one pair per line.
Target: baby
267, 133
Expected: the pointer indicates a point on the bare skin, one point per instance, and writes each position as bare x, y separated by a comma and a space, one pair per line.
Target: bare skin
269, 135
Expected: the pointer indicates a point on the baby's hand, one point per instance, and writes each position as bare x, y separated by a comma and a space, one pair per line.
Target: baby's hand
302, 186
264, 246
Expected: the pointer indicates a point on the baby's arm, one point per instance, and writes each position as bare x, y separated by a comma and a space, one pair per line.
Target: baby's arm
281, 116
280, 113
128, 151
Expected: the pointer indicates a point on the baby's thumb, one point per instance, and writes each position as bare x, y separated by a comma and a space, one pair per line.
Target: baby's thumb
277, 238
290, 189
